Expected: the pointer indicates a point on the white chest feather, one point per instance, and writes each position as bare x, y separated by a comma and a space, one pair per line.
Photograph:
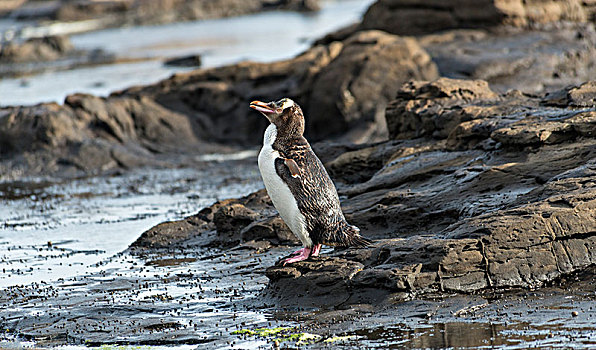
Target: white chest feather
280, 193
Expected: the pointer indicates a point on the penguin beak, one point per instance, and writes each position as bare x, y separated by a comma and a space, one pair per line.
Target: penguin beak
262, 107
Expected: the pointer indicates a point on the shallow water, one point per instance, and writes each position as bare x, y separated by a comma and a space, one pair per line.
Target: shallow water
262, 37
52, 230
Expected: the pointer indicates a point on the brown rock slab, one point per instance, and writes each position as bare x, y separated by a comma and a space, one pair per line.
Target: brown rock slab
515, 208
315, 281
36, 49
407, 17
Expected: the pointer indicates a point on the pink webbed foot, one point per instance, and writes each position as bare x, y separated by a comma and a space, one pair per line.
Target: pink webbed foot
303, 254
299, 251
315, 250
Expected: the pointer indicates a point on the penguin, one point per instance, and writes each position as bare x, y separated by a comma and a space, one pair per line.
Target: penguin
298, 184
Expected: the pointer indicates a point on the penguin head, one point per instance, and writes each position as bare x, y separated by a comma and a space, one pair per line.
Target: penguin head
285, 114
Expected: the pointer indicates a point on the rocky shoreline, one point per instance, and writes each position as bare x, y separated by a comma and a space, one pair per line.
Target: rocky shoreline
480, 189
118, 13
474, 191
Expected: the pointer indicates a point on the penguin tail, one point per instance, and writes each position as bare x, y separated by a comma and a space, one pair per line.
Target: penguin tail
353, 238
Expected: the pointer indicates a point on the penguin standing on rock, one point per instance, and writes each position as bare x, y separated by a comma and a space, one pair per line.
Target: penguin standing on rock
299, 185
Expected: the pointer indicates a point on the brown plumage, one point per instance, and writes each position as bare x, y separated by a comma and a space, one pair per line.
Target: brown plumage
304, 174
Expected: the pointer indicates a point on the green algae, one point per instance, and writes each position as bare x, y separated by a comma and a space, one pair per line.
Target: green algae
263, 332
281, 334
339, 339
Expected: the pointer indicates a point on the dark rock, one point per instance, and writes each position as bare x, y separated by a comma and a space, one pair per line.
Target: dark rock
417, 110
583, 95
226, 223
519, 215
37, 49
342, 87
319, 281
534, 61
293, 5
132, 131
230, 219
186, 61
406, 17
356, 86
468, 112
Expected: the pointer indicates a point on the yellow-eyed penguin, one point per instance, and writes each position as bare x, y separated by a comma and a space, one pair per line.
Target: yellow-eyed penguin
299, 185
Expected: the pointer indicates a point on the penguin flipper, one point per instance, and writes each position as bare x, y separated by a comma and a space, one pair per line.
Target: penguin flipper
292, 166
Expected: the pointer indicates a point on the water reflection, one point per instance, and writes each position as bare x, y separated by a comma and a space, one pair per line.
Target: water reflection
469, 335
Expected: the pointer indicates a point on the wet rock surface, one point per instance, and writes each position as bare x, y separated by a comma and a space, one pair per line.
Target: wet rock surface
475, 191
483, 191
155, 300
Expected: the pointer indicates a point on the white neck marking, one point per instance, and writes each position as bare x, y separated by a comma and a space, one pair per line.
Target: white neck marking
270, 135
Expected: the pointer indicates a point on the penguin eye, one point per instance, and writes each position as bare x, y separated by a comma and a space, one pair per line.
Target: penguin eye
279, 110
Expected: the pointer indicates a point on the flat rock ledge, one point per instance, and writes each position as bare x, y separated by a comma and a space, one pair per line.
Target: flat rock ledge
475, 191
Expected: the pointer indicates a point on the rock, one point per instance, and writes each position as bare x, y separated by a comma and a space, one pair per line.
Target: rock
514, 208
560, 55
294, 5
124, 132
405, 17
444, 112
356, 86
583, 95
186, 61
229, 220
343, 86
417, 110
319, 280
133, 12
37, 49
37, 55
226, 223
